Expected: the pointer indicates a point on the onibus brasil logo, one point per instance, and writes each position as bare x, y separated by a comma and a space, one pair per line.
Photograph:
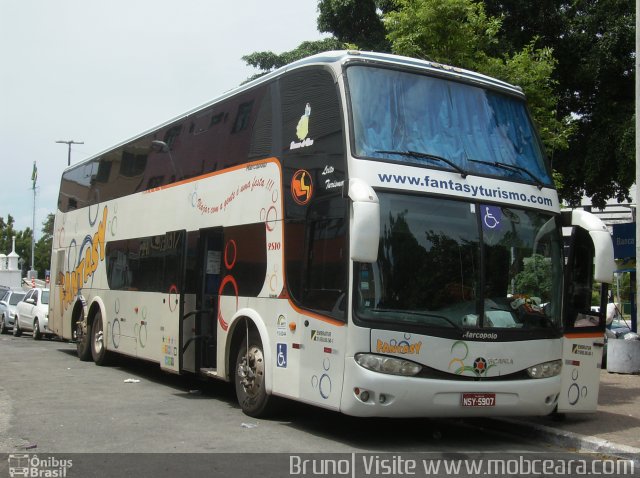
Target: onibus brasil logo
35, 466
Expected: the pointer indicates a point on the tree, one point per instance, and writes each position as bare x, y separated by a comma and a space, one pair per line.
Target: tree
535, 278
6, 234
23, 248
454, 32
594, 44
267, 61
461, 33
42, 262
358, 22
574, 60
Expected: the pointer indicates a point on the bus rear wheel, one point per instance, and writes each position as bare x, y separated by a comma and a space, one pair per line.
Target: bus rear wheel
98, 349
250, 379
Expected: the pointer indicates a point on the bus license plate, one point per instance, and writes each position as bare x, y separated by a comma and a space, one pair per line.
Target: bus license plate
478, 399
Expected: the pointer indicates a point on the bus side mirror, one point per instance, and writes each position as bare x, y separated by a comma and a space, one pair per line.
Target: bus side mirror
365, 222
604, 264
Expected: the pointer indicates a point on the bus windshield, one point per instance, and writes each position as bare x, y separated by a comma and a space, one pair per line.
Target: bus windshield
409, 117
454, 264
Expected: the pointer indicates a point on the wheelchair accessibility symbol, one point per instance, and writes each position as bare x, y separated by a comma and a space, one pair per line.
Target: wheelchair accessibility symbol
281, 355
491, 217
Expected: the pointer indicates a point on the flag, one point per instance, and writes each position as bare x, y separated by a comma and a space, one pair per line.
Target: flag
34, 174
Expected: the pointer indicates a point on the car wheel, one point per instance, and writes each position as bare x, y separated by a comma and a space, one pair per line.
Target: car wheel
37, 335
16, 328
3, 326
98, 348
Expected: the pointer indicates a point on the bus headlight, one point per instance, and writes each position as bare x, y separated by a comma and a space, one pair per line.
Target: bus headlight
546, 369
388, 365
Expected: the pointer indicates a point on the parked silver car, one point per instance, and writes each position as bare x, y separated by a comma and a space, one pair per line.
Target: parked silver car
8, 301
32, 314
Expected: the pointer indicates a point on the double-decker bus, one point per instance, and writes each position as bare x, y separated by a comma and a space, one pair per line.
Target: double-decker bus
368, 233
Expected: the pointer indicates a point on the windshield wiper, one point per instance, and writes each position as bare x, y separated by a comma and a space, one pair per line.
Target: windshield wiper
422, 314
511, 167
434, 157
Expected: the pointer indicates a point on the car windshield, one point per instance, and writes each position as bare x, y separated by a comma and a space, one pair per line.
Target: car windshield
16, 297
452, 264
45, 297
412, 118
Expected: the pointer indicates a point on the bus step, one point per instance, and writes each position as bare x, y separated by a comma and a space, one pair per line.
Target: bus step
209, 372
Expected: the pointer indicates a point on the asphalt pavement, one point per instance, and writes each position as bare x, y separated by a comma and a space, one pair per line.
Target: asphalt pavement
614, 429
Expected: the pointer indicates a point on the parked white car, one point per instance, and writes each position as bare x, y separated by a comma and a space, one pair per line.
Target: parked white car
8, 301
32, 314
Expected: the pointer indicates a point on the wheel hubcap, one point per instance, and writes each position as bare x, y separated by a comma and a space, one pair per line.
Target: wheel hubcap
98, 340
251, 371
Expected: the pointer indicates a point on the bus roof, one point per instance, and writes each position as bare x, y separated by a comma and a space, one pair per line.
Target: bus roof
341, 57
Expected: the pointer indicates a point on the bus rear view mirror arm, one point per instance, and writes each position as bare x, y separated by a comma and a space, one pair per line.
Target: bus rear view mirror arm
365, 227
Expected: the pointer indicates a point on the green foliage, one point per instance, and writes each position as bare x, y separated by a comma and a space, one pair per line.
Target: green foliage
535, 278
42, 260
594, 44
461, 33
455, 32
6, 234
358, 22
267, 61
532, 69
574, 60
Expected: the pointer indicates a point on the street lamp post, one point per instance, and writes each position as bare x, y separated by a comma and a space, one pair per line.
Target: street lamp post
69, 143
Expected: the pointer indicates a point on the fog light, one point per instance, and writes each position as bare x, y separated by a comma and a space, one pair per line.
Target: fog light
383, 398
364, 396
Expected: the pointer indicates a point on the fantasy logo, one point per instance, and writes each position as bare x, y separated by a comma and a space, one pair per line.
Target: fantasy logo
91, 254
403, 347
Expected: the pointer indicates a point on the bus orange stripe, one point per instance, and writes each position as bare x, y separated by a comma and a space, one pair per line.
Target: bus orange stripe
209, 175
584, 335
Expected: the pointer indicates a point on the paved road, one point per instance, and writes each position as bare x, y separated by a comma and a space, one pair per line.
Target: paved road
51, 403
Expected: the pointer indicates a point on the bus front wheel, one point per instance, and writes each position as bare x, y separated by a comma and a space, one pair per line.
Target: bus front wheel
82, 336
250, 381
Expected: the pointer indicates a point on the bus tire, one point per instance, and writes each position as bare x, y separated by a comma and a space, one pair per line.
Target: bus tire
249, 379
83, 342
98, 348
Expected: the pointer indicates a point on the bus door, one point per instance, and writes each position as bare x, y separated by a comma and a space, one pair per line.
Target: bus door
168, 253
211, 244
583, 342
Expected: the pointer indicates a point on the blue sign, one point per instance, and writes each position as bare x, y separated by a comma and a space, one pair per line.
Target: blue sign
624, 240
491, 217
281, 355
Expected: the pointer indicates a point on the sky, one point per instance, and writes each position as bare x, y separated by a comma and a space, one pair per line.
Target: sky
102, 72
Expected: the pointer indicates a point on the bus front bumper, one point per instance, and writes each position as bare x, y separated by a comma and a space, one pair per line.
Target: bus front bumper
397, 396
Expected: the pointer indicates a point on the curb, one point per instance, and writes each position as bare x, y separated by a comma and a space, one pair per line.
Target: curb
565, 439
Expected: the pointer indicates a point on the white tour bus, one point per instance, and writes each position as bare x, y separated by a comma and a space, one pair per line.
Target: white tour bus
368, 233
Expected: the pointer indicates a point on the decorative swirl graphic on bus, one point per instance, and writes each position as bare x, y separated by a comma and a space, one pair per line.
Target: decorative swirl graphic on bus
460, 350
90, 255
229, 262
